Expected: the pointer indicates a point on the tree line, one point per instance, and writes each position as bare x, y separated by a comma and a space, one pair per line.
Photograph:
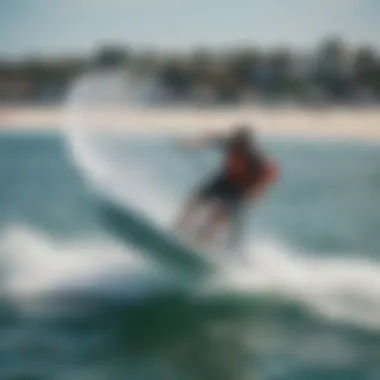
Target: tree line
331, 72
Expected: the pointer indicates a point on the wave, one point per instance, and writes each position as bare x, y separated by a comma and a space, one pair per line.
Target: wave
339, 289
36, 266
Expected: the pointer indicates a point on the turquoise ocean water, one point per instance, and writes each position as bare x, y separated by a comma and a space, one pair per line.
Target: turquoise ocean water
79, 302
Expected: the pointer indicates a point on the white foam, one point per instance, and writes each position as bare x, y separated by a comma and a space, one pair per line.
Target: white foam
35, 265
341, 287
125, 181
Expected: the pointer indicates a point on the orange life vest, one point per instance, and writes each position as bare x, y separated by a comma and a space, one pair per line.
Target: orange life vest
241, 168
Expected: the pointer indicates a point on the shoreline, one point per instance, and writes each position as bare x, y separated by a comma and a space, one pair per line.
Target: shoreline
333, 123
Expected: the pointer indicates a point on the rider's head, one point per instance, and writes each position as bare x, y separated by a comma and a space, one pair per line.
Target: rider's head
243, 136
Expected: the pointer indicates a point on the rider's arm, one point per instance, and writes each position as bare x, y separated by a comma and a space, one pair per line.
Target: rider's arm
268, 179
208, 139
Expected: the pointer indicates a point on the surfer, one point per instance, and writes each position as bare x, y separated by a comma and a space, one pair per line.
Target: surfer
245, 176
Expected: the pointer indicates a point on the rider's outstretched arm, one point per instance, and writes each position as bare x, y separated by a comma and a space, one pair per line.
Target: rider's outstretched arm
206, 140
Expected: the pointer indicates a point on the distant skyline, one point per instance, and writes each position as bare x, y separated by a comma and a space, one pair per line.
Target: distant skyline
34, 27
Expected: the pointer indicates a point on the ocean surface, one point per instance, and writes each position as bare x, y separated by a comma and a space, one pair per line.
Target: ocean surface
300, 301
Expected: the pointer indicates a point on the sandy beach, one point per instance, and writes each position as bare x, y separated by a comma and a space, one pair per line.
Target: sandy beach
355, 124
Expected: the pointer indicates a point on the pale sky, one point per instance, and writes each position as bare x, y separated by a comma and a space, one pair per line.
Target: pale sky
52, 27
